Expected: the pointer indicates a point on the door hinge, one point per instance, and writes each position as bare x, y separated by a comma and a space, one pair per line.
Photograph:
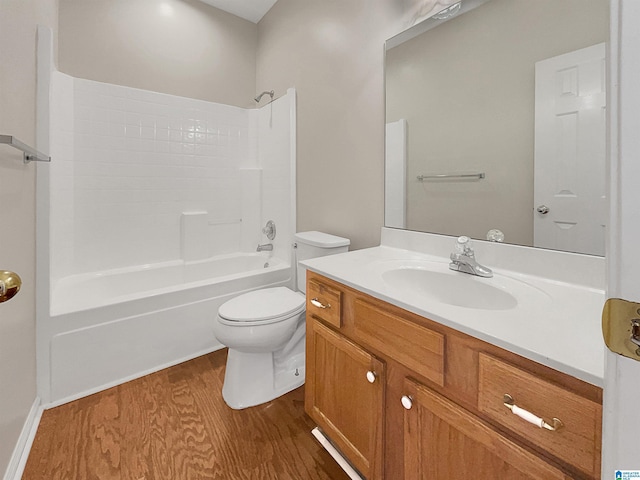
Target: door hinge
621, 327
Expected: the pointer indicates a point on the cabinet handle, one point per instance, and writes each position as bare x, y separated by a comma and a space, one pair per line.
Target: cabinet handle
371, 376
407, 402
317, 303
510, 403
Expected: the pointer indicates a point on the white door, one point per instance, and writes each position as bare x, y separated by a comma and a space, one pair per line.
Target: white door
622, 376
570, 131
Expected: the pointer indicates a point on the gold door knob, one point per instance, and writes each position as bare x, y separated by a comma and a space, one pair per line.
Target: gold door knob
10, 284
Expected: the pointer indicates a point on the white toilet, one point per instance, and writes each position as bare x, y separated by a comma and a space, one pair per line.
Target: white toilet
265, 332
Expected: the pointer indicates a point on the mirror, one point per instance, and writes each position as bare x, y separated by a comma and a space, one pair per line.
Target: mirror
496, 121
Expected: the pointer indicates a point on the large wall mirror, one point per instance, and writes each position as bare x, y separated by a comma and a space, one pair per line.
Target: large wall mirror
496, 120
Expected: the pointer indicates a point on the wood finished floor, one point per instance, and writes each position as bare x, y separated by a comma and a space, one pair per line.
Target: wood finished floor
174, 425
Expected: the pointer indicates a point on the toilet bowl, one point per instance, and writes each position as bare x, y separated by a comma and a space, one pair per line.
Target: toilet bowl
265, 332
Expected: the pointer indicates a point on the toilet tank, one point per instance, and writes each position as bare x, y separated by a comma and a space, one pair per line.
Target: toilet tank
313, 245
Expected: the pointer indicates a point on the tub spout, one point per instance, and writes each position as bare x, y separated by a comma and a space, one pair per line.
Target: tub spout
267, 247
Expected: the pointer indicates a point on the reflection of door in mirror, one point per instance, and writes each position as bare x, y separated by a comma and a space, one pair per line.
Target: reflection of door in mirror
570, 130
465, 89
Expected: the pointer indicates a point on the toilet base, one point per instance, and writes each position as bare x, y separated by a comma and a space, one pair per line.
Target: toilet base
254, 378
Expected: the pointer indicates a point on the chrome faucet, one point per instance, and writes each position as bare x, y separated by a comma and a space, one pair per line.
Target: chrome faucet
267, 247
464, 260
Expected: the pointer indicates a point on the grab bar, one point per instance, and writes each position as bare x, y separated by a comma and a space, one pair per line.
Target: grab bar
478, 175
30, 154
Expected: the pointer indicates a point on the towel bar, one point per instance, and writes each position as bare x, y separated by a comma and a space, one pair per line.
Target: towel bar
30, 154
451, 175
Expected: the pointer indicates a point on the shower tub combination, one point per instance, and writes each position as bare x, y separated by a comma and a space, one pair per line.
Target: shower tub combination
109, 327
148, 218
173, 191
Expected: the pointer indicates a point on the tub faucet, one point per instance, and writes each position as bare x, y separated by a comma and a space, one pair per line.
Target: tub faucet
267, 247
464, 260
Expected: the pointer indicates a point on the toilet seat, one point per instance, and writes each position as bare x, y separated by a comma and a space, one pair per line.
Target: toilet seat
262, 307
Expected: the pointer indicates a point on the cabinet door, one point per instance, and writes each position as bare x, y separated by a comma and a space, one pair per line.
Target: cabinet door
443, 440
344, 399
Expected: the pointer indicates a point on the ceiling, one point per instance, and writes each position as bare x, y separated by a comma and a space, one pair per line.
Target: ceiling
252, 10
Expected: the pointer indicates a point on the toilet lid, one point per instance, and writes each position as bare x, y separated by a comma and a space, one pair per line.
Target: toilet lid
262, 305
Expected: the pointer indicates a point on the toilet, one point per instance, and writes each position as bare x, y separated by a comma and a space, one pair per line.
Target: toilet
265, 332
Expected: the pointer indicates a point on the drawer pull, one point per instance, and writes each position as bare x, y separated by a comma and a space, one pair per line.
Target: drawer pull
371, 376
510, 403
317, 303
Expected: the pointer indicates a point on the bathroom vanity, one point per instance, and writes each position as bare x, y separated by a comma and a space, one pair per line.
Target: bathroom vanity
415, 387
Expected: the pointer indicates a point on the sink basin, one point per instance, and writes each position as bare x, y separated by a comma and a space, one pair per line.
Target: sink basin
452, 288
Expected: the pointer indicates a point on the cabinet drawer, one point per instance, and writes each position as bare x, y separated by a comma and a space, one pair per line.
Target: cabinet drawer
413, 345
324, 302
577, 442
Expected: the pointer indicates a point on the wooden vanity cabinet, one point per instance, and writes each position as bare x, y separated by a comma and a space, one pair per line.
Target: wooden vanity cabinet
435, 407
345, 396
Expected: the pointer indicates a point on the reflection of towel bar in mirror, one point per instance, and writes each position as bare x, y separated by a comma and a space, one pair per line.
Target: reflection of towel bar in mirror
478, 176
30, 154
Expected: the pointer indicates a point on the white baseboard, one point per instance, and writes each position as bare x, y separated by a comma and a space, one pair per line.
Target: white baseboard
23, 446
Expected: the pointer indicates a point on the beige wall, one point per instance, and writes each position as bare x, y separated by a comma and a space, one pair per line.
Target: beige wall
466, 89
180, 47
18, 20
332, 53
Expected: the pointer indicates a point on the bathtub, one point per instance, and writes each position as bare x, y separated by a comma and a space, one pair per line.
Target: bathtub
109, 327
91, 290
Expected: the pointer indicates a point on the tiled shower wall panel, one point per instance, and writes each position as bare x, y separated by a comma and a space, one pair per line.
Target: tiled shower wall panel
140, 160
274, 157
61, 201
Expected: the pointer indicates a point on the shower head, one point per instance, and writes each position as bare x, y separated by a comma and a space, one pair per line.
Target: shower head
259, 97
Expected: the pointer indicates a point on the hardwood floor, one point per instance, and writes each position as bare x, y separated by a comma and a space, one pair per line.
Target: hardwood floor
174, 425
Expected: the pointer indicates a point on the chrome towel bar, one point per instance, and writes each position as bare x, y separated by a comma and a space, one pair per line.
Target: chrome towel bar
30, 154
478, 175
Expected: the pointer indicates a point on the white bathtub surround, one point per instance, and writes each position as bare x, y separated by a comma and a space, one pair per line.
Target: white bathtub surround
555, 321
152, 208
129, 162
194, 236
250, 198
278, 179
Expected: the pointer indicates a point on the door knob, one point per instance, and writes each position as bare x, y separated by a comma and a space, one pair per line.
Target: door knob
542, 209
371, 376
10, 284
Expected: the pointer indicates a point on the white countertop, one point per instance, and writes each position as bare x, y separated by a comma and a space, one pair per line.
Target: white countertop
556, 323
